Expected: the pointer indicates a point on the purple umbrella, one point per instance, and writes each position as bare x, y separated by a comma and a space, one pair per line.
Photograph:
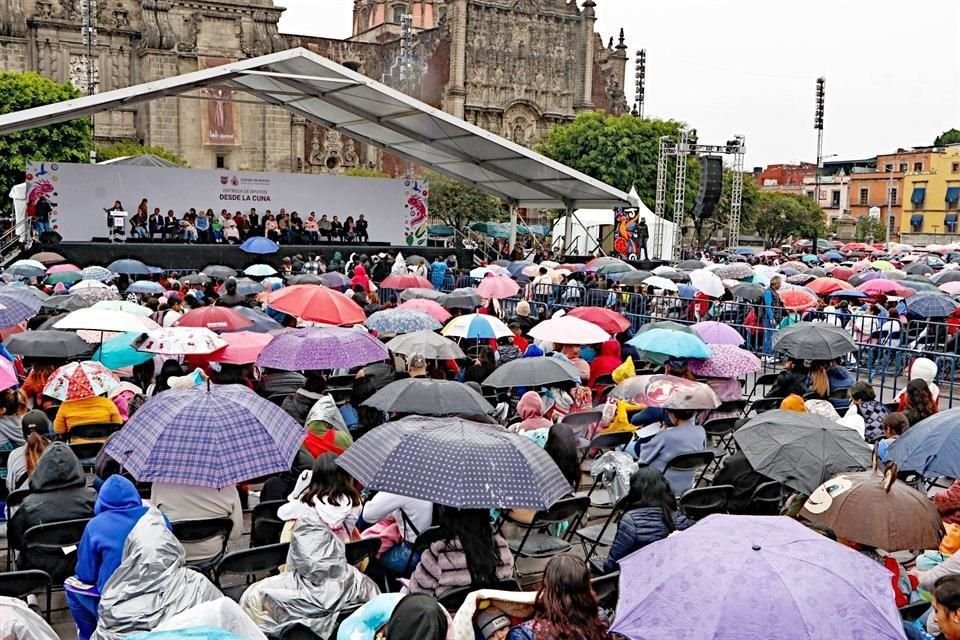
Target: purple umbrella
738, 577
320, 348
727, 361
718, 333
335, 280
206, 437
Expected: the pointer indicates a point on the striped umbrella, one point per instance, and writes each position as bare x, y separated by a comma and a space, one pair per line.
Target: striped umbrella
476, 326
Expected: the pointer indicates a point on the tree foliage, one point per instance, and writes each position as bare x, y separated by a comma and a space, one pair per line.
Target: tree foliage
951, 136
363, 172
65, 142
782, 215
458, 204
126, 148
868, 227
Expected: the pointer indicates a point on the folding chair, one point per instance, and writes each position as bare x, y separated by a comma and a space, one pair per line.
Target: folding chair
299, 631
53, 539
600, 535
192, 531
766, 499
19, 584
689, 462
578, 422
52, 412
249, 563
87, 453
4, 457
536, 542
914, 610
766, 380
265, 525
278, 398
721, 430
424, 539
697, 504
762, 405
360, 550
606, 442
93, 431
607, 588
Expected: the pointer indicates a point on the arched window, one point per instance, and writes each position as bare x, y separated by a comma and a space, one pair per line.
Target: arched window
399, 10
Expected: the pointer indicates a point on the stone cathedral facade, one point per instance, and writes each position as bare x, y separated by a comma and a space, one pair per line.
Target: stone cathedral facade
513, 67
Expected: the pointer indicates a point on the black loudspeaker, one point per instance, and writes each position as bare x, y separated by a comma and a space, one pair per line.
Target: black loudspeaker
711, 186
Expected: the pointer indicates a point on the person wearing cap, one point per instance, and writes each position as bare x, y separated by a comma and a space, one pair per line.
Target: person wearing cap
523, 318
492, 623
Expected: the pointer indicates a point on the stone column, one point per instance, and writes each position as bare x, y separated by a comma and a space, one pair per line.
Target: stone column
588, 18
457, 93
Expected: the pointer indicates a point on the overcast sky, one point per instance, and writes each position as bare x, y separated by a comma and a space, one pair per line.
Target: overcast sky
750, 66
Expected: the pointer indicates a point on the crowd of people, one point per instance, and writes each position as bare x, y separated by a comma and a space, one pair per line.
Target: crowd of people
129, 554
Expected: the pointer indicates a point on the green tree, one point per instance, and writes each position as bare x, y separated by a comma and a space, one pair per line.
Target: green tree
458, 204
65, 142
951, 136
868, 227
126, 148
782, 215
363, 172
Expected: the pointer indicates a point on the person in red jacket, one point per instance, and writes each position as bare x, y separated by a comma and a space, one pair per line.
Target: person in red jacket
604, 364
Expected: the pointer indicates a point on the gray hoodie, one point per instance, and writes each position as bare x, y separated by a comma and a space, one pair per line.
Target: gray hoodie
11, 433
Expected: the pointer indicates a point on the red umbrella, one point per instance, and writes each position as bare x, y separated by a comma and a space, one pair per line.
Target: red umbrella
408, 281
430, 307
497, 287
798, 299
884, 286
826, 286
314, 303
842, 273
217, 319
607, 319
243, 347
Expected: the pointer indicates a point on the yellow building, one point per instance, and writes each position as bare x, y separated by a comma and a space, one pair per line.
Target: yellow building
931, 193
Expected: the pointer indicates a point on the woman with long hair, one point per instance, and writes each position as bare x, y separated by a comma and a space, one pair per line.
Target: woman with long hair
23, 460
920, 402
328, 490
469, 553
653, 515
566, 607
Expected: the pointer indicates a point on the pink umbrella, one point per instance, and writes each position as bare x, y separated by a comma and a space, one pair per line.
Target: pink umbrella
497, 287
8, 375
797, 299
430, 307
861, 265
408, 281
728, 361
60, 268
951, 288
243, 347
842, 273
717, 333
884, 286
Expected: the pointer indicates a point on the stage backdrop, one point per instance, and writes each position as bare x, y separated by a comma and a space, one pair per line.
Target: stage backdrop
397, 210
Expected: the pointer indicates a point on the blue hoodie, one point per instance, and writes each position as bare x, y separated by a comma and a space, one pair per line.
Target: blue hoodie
117, 511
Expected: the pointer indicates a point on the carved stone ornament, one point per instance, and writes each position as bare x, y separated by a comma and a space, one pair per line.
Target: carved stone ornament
78, 72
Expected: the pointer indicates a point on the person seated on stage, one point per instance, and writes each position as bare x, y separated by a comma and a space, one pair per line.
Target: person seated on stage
325, 227
270, 228
155, 224
188, 232
312, 228
336, 229
171, 226
231, 233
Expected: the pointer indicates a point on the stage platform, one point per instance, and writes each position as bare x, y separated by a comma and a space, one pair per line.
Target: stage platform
197, 256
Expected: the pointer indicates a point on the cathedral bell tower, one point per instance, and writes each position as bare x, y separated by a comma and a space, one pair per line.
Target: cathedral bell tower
379, 20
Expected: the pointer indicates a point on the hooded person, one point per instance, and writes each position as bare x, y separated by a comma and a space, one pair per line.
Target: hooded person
116, 513
58, 492
326, 429
605, 363
921, 369
152, 583
399, 265
317, 585
438, 273
417, 616
530, 409
360, 278
299, 403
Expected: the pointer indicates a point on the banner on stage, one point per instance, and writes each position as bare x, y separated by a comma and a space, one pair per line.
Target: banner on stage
397, 210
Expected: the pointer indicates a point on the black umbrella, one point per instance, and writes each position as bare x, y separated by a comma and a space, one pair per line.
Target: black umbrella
690, 265
307, 278
456, 463
946, 276
748, 292
195, 278
219, 271
427, 397
635, 278
262, 323
430, 345
418, 293
532, 372
68, 302
53, 344
811, 341
801, 450
918, 269
466, 298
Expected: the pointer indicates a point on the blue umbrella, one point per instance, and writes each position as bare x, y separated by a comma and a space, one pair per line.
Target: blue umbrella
119, 352
259, 244
145, 286
833, 255
518, 266
248, 287
96, 273
17, 307
686, 291
931, 447
130, 267
745, 251
401, 321
26, 269
930, 305
155, 271
671, 343
206, 437
810, 258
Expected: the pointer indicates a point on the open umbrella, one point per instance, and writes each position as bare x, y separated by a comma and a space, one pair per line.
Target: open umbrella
727, 361
735, 271
425, 294
79, 380
259, 245
931, 447
690, 265
497, 287
791, 567
100, 320
874, 509
320, 348
407, 281
312, 278
885, 287
707, 283
47, 257
428, 344
464, 298
919, 268
540, 371
99, 274
399, 321
65, 277
433, 309
195, 278
659, 282
52, 344
426, 397
668, 392
259, 271
129, 266
247, 287
569, 330
930, 305
748, 292
219, 271
607, 319
243, 347
332, 279
476, 326
635, 278
671, 343
16, 307
181, 341
713, 332
813, 341
262, 323
26, 269
216, 319
146, 287
799, 299
317, 304
801, 450
824, 286
426, 458
121, 351
122, 305
63, 268
213, 436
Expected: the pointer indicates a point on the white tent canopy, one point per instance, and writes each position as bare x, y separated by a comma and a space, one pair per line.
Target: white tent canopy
324, 92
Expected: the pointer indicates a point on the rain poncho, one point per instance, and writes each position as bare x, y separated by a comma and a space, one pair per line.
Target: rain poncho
152, 584
221, 619
399, 265
615, 469
316, 586
19, 622
530, 409
326, 429
438, 272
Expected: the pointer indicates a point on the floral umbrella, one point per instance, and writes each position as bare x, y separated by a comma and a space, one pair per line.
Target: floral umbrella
728, 361
176, 341
400, 321
79, 380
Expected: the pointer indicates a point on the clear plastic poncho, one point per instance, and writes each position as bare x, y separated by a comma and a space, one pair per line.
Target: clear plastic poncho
19, 622
615, 469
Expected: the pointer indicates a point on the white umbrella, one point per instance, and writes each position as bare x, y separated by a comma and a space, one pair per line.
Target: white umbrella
179, 341
88, 284
122, 305
661, 283
707, 283
569, 330
101, 320
260, 270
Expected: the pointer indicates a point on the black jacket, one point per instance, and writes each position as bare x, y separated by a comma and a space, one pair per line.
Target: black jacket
58, 492
736, 471
275, 383
638, 528
298, 406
